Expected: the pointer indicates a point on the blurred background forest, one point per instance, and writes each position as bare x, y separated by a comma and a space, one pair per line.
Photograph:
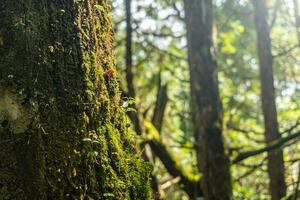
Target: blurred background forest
152, 59
151, 49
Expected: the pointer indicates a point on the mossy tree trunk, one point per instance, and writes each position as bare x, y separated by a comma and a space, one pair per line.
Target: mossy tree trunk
62, 129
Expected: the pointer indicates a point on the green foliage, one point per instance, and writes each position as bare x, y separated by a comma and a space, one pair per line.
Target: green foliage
160, 48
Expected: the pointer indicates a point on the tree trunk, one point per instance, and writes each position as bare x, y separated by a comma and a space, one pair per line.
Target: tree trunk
297, 19
206, 103
62, 130
134, 116
275, 157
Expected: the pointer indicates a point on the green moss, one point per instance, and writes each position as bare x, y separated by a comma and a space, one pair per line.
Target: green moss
78, 146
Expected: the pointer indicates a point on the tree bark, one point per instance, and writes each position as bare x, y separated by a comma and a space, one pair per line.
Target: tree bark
275, 157
206, 104
62, 130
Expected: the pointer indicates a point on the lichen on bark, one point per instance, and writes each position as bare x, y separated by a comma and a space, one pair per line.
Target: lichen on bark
77, 145
12, 113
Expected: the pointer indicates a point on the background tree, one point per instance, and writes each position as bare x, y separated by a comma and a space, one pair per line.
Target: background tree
206, 104
159, 41
63, 131
275, 157
297, 18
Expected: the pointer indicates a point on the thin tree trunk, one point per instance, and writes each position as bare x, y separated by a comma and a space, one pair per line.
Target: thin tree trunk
206, 103
129, 68
62, 130
275, 157
297, 19
128, 55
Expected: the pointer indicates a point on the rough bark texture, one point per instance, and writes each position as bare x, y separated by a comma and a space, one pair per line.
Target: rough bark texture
275, 157
62, 129
206, 104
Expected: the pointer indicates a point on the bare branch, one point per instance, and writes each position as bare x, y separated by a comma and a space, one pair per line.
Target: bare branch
191, 187
274, 145
286, 51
